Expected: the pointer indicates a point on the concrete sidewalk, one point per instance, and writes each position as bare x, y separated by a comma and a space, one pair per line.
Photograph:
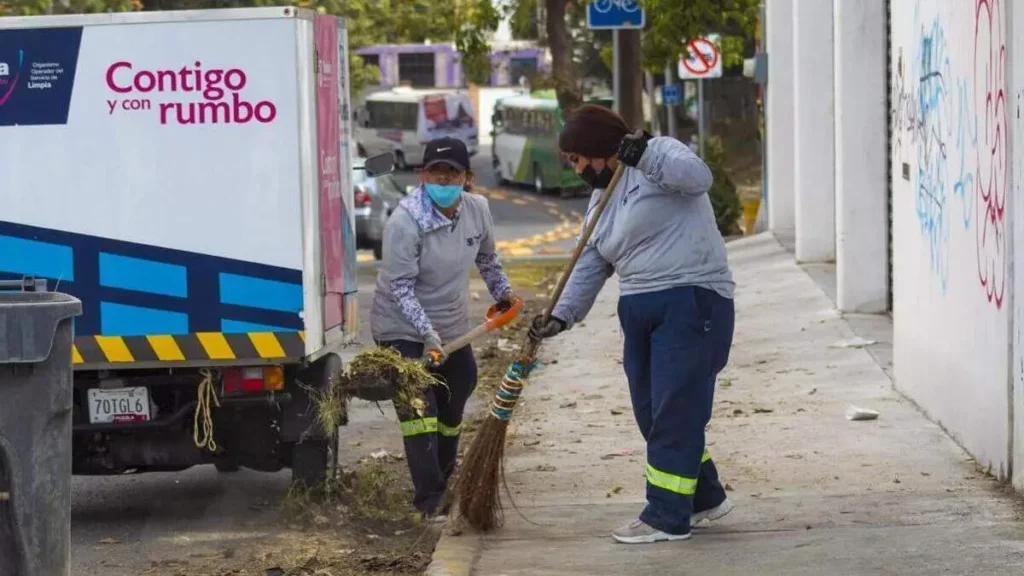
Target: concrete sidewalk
815, 493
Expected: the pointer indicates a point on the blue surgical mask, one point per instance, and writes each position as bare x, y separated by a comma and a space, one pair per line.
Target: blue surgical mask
444, 196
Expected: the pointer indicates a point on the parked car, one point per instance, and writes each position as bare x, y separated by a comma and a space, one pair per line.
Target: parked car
375, 200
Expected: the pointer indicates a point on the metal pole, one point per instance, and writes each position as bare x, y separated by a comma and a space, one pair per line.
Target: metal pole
700, 114
651, 104
616, 73
670, 110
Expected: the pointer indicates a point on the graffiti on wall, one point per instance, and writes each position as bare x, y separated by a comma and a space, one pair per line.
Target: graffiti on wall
953, 115
990, 114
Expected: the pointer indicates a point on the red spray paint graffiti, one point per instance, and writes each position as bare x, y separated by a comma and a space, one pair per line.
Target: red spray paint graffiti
990, 117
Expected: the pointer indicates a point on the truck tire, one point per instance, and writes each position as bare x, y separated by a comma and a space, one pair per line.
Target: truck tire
310, 461
226, 467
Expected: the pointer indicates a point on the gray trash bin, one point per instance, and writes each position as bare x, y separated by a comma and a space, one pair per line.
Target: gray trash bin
35, 430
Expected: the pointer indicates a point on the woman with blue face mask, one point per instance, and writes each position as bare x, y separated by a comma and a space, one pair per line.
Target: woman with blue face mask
421, 300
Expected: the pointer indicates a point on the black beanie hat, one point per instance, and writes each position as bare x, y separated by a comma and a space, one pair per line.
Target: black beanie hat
592, 131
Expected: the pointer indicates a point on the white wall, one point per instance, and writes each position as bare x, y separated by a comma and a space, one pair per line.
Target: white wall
950, 160
814, 149
779, 122
1015, 108
862, 196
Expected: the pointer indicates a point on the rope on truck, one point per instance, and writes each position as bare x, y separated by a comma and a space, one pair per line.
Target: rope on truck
204, 413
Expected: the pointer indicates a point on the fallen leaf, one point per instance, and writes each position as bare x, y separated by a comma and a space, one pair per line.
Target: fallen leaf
763, 410
616, 411
567, 405
109, 541
812, 392
593, 397
617, 489
728, 488
531, 442
737, 411
725, 382
545, 468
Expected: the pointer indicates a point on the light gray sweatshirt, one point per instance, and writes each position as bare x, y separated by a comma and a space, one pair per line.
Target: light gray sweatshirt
657, 232
423, 282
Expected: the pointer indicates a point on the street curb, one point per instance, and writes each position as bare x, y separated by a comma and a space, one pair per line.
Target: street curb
455, 555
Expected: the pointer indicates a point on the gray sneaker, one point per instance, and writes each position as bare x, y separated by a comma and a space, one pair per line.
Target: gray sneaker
637, 532
712, 514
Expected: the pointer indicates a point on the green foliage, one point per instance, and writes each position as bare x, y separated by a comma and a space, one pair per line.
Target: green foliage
37, 7
725, 199
671, 23
474, 20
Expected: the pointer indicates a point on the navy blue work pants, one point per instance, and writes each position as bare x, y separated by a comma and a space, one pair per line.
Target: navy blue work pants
432, 441
676, 342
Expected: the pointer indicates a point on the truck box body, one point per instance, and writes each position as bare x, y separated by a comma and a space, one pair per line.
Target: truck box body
187, 176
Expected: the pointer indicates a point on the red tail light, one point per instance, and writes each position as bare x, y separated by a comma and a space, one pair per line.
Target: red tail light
252, 379
362, 198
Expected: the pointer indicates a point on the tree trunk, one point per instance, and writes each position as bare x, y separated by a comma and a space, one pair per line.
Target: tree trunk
568, 92
631, 106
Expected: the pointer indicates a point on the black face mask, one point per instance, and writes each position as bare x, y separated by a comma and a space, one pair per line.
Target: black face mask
597, 179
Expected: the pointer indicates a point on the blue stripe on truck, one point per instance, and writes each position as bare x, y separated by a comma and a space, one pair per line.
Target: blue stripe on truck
143, 275
124, 320
260, 293
33, 258
239, 327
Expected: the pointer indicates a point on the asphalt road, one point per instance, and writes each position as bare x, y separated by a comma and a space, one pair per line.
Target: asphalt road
128, 525
522, 213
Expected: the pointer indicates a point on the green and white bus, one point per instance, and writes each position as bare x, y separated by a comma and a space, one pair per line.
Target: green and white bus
524, 149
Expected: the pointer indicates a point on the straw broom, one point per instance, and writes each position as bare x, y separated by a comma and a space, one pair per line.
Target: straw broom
482, 473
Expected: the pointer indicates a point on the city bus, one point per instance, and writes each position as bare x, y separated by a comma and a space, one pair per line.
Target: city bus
524, 148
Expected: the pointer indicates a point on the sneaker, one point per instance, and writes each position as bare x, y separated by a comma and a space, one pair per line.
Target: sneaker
637, 532
712, 513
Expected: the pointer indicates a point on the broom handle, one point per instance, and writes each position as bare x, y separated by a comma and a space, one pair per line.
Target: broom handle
584, 238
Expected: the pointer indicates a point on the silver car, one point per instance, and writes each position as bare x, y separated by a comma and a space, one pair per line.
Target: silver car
375, 200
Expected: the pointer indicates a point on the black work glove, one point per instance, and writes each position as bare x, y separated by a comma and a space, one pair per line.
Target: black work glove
632, 148
539, 330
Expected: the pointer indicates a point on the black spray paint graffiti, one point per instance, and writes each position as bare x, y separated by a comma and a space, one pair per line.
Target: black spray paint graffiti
938, 114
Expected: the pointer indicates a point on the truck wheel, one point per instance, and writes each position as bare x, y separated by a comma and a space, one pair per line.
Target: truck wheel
310, 462
226, 467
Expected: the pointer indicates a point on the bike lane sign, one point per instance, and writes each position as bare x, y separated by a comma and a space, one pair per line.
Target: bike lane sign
615, 14
704, 60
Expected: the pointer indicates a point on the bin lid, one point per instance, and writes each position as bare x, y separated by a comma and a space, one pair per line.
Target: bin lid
28, 324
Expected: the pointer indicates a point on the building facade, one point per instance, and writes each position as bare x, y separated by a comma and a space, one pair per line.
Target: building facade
438, 65
896, 150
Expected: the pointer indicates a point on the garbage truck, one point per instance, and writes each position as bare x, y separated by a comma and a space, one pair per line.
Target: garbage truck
186, 175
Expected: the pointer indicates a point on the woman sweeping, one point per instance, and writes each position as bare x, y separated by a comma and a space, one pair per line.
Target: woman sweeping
422, 300
658, 233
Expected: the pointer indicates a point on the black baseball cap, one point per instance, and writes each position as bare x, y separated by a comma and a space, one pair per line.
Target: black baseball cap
447, 150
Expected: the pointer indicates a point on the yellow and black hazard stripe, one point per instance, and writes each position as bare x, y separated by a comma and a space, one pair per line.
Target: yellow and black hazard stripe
191, 348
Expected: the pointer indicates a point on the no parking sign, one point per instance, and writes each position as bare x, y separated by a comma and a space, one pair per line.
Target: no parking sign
704, 59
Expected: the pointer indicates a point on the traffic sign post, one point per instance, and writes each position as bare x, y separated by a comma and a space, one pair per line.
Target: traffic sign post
703, 60
616, 15
671, 94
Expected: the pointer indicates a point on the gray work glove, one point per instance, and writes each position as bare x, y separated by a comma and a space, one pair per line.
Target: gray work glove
433, 350
539, 330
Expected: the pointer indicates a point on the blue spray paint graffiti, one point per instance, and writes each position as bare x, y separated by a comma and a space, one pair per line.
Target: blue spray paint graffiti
931, 127
966, 139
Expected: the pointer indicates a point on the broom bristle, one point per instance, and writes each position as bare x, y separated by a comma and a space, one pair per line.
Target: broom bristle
481, 475
479, 481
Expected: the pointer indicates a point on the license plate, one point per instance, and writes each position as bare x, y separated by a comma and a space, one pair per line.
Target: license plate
117, 405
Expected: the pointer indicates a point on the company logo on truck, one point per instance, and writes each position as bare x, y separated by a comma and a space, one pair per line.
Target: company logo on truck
220, 91
7, 83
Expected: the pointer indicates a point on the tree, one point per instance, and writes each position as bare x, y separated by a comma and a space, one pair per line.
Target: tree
670, 24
